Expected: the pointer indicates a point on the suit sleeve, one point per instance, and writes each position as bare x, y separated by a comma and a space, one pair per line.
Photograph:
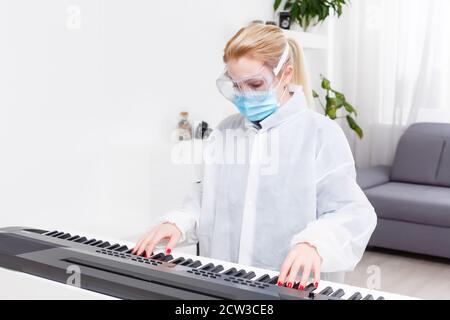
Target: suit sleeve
345, 218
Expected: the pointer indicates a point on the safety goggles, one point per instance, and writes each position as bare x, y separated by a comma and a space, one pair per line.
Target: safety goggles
258, 85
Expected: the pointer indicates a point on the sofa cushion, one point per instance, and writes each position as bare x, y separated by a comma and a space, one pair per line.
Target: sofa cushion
428, 205
443, 177
417, 159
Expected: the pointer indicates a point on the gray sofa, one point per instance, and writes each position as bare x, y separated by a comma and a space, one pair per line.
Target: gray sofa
412, 198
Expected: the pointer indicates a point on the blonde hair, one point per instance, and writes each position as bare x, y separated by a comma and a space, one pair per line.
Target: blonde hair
267, 43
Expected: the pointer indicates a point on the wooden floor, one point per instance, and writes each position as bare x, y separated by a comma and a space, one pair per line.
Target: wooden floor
406, 274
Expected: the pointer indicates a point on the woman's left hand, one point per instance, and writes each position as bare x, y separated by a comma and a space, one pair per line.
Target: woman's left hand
303, 257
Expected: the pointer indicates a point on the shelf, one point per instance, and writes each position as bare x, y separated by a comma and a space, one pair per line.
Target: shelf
308, 40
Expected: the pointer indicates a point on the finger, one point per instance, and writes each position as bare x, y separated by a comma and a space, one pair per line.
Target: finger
316, 270
305, 275
144, 243
293, 272
172, 242
157, 238
140, 242
285, 269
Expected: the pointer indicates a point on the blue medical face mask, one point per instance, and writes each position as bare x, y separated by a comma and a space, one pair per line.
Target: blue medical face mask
255, 108
258, 106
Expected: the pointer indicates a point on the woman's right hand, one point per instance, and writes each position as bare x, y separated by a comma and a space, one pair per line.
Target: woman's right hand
166, 231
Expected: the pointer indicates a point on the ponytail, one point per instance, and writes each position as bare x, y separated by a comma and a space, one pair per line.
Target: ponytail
300, 77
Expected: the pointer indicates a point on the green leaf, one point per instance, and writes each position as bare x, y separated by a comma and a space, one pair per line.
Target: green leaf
326, 84
331, 102
276, 5
315, 94
332, 113
355, 127
350, 108
339, 95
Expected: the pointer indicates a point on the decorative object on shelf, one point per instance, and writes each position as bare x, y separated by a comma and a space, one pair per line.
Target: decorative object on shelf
285, 20
268, 22
203, 131
184, 130
308, 13
336, 101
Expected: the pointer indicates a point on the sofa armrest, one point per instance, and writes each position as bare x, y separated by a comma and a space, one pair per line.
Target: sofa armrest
373, 177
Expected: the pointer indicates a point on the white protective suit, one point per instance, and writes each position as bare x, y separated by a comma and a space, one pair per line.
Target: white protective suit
296, 184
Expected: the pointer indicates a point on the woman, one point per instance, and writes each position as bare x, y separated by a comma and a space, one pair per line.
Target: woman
303, 213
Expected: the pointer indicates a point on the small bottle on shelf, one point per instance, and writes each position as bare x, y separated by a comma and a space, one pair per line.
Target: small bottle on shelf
184, 127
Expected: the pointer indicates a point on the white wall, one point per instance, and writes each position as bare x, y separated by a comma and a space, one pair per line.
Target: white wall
86, 114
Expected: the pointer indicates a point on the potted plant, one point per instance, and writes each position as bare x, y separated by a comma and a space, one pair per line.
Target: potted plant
336, 101
309, 13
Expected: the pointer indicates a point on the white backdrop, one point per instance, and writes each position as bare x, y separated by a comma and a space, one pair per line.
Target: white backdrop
89, 94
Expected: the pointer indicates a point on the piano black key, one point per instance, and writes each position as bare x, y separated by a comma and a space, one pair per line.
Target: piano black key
274, 280
82, 239
338, 294
64, 236
96, 243
310, 288
249, 275
229, 271
239, 274
144, 254
104, 245
167, 258
51, 233
129, 251
195, 264
114, 246
185, 263
217, 269
326, 292
178, 260
57, 234
121, 249
355, 296
207, 267
90, 241
368, 297
73, 238
263, 278
157, 256
381, 298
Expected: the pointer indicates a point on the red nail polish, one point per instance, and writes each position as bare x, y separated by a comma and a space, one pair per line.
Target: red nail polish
280, 284
316, 285
168, 251
289, 285
301, 288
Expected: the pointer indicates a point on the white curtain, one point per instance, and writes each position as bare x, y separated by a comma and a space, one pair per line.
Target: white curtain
392, 60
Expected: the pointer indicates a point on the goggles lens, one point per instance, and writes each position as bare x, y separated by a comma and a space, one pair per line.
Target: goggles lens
258, 86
